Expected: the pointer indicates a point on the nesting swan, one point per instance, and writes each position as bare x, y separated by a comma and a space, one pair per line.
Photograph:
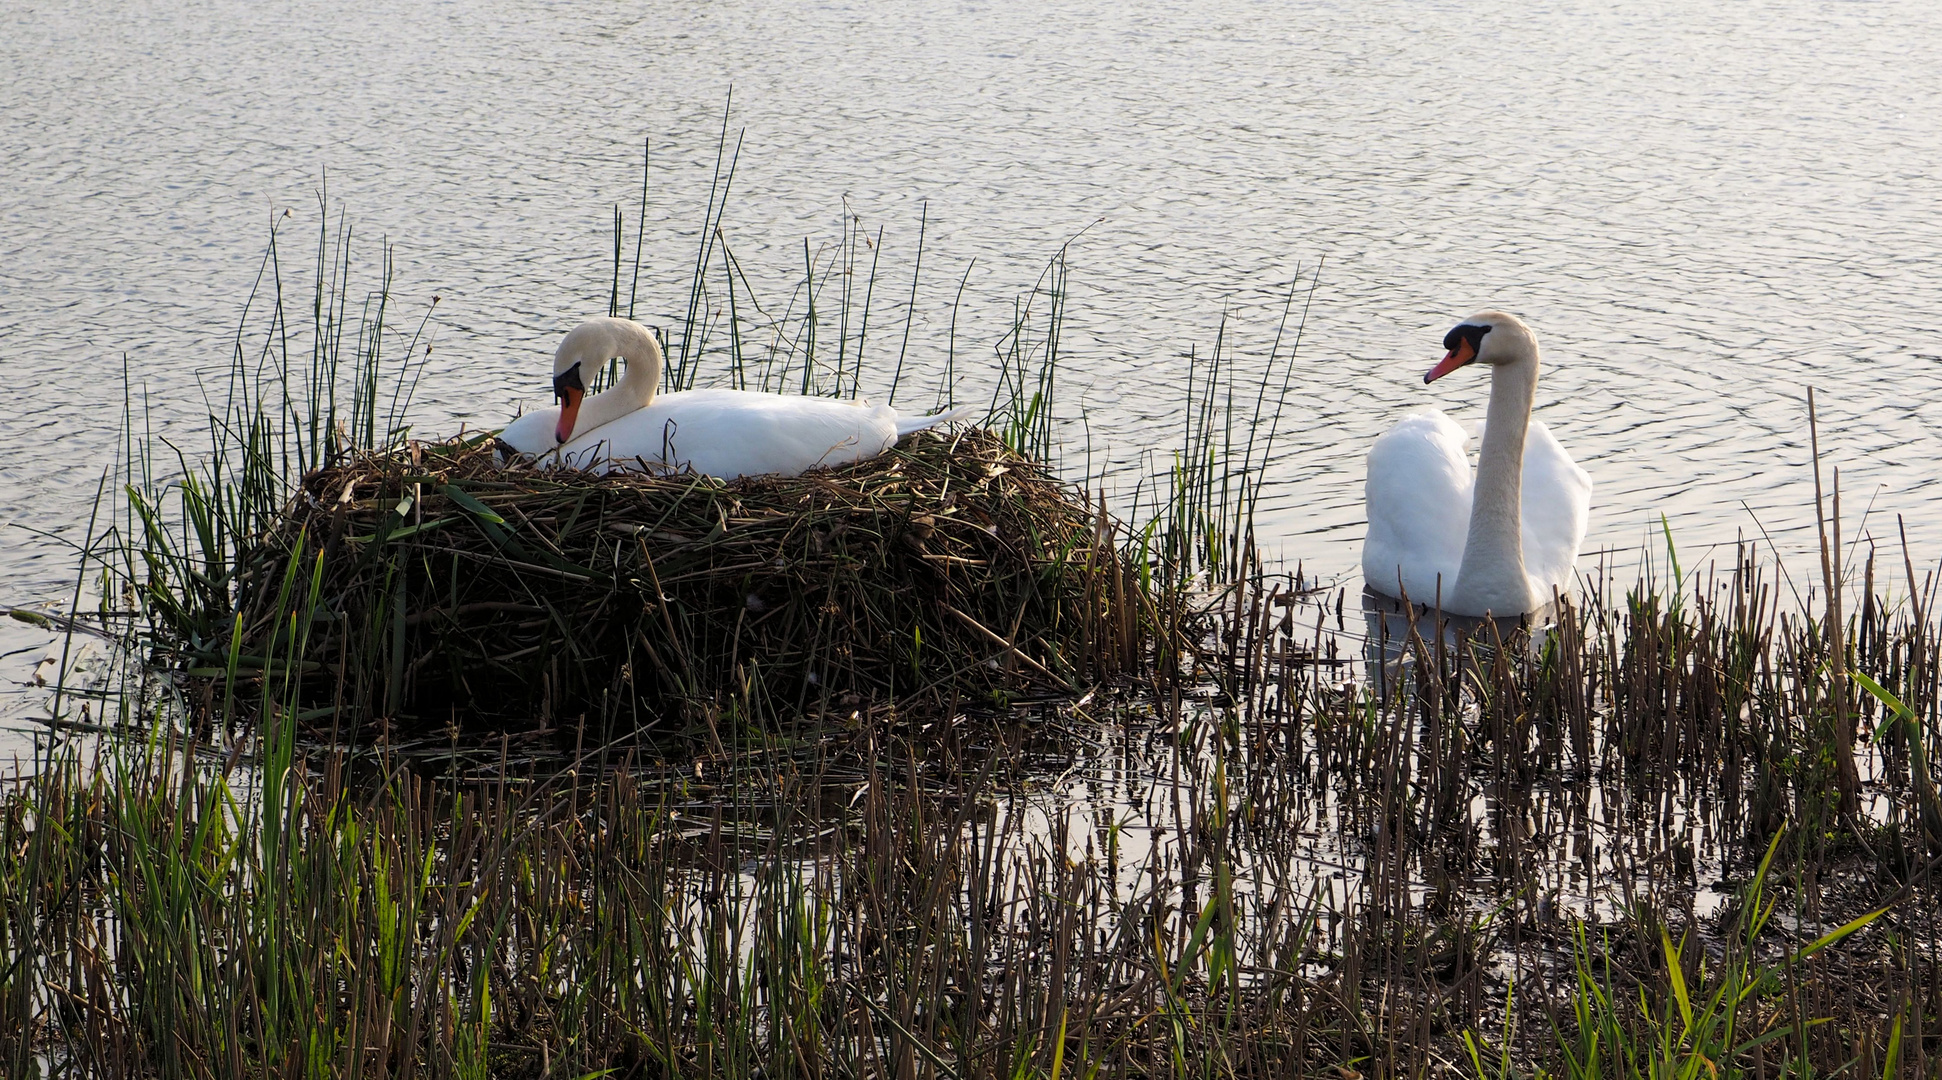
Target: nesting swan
1494, 543
724, 433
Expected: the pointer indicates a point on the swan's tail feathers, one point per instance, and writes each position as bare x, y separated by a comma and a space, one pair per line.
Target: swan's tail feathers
906, 425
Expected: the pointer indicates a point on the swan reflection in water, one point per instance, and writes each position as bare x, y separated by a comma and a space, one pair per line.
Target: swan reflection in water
1498, 540
1402, 635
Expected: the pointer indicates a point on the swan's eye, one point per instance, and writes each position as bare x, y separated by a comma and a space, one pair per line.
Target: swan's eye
568, 380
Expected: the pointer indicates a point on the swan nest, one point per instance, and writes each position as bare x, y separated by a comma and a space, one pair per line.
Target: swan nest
948, 571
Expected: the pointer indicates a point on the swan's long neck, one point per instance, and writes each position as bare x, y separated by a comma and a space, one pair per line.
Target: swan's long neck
1492, 575
638, 383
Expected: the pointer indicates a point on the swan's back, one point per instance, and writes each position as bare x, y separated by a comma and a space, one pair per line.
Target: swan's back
1418, 499
730, 433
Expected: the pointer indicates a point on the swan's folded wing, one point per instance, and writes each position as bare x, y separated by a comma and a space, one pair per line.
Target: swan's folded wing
1556, 506
730, 433
1418, 498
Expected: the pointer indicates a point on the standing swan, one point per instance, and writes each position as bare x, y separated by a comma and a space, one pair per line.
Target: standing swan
724, 433
1498, 544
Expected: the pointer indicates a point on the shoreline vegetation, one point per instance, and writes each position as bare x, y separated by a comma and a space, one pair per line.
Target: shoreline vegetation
1072, 793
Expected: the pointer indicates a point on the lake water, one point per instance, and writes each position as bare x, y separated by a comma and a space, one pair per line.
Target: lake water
1701, 209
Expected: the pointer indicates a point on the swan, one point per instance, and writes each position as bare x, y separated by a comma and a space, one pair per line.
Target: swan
724, 433
1495, 544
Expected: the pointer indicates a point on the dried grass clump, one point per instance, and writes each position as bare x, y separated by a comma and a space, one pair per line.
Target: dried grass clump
452, 589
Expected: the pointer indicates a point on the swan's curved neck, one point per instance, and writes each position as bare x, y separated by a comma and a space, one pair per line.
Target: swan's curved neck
1492, 574
639, 381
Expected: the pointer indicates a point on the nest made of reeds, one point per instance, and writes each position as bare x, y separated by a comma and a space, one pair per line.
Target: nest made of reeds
452, 589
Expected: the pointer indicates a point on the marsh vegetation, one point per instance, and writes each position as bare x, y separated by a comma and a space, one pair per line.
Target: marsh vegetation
1104, 796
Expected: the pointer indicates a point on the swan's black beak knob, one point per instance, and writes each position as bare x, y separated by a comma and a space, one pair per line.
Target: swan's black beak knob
1463, 343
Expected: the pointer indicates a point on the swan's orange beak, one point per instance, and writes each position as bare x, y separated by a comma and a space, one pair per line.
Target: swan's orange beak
1465, 351
569, 412
568, 390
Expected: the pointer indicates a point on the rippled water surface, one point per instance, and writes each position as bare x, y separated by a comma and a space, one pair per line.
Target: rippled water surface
1702, 209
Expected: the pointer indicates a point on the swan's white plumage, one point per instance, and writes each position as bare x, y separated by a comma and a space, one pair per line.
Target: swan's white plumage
1422, 490
1419, 491
724, 433
1557, 507
1418, 494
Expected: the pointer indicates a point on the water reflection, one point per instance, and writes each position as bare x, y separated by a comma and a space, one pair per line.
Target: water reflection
1401, 635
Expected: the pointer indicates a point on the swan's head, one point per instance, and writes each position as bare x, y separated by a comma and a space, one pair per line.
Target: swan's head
1490, 337
586, 349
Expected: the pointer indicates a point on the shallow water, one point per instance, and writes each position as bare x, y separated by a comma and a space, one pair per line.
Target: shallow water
1701, 210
